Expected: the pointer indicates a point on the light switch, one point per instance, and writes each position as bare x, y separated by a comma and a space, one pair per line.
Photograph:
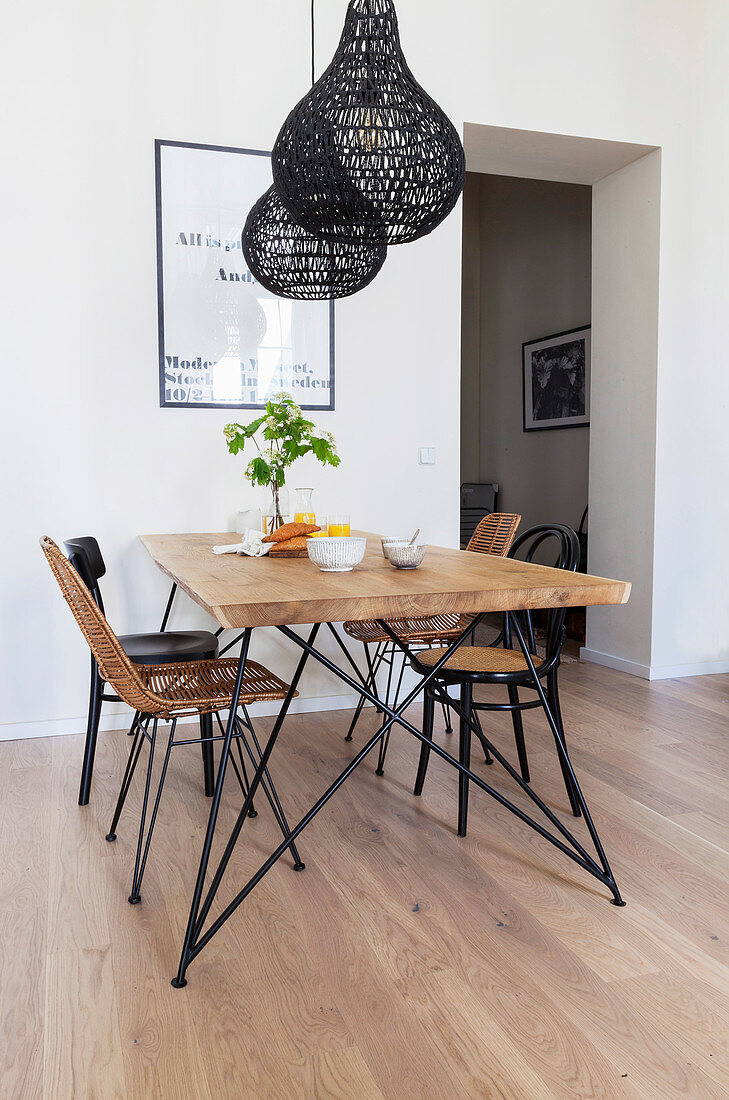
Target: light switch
426, 456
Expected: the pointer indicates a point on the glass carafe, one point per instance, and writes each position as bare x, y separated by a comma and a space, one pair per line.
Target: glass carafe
303, 508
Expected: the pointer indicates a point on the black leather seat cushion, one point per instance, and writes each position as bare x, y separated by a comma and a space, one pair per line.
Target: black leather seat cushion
174, 645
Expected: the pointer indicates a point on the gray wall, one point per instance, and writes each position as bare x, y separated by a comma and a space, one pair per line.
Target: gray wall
526, 273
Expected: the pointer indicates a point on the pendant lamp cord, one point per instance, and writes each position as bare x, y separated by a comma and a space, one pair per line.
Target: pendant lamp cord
313, 80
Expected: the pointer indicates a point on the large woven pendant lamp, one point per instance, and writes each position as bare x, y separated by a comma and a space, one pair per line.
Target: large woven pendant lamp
293, 263
367, 155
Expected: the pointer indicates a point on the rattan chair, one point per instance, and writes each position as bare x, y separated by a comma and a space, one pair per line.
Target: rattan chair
506, 666
494, 535
167, 693
161, 647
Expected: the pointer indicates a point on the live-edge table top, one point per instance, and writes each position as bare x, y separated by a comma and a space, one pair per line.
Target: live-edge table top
250, 592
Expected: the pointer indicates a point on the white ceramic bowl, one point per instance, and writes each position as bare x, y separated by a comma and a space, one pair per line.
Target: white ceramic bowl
389, 541
406, 556
336, 555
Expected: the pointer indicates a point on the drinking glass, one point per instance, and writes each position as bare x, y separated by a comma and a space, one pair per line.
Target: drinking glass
303, 508
338, 526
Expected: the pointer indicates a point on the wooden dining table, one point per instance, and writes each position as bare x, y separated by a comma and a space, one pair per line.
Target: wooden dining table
247, 593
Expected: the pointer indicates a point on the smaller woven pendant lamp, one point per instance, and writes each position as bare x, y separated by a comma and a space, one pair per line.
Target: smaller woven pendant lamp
292, 263
367, 155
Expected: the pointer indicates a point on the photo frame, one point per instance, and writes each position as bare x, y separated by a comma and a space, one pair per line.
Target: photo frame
556, 380
225, 342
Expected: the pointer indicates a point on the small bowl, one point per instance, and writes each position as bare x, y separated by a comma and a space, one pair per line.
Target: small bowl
336, 555
406, 555
389, 541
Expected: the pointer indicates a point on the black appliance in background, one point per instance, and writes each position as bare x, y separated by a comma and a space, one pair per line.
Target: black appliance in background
477, 501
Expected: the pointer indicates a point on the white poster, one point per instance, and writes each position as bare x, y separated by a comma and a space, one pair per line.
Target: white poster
225, 341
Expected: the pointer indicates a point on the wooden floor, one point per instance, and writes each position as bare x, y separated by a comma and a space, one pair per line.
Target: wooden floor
403, 962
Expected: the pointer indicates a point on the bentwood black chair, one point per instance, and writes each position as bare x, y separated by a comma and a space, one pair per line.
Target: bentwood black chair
493, 535
162, 647
505, 666
167, 692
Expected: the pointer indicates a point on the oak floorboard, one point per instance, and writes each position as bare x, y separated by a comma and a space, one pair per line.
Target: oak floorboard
83, 1054
334, 1075
710, 829
403, 961
698, 1025
22, 1002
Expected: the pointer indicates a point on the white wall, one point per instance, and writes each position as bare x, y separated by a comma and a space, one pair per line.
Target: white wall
84, 447
626, 214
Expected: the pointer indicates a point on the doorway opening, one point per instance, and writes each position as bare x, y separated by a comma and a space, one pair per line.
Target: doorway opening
561, 239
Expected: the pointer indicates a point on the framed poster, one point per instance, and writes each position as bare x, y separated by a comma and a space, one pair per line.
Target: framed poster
224, 341
556, 378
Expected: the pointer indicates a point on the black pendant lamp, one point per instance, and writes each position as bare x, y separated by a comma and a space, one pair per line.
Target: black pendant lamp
367, 155
293, 263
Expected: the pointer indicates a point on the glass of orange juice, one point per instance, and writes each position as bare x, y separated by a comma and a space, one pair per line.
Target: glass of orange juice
338, 526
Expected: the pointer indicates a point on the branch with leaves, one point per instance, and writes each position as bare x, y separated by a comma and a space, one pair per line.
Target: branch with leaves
287, 435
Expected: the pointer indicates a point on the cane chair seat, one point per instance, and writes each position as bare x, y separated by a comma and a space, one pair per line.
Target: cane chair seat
479, 660
425, 629
200, 687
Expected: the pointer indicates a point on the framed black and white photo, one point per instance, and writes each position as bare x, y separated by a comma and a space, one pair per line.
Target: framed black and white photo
225, 341
556, 375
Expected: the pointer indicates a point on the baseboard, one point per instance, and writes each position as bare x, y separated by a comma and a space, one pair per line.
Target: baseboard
699, 668
655, 672
619, 663
115, 717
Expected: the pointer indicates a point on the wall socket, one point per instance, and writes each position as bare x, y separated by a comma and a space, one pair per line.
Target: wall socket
426, 456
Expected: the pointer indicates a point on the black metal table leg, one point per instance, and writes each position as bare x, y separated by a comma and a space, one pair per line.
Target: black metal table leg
207, 844
198, 913
573, 787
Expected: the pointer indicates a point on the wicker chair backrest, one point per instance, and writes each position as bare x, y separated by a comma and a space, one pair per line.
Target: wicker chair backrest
114, 665
495, 534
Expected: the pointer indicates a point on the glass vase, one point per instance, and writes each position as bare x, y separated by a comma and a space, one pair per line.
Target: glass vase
276, 512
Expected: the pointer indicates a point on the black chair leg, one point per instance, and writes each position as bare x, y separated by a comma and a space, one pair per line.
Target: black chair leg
487, 757
360, 705
92, 732
142, 853
428, 714
206, 732
139, 727
464, 756
371, 682
519, 733
553, 700
380, 770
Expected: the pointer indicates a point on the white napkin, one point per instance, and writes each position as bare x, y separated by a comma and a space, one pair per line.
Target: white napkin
251, 545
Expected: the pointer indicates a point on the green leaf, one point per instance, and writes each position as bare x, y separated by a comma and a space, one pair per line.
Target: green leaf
322, 448
236, 444
260, 471
253, 427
